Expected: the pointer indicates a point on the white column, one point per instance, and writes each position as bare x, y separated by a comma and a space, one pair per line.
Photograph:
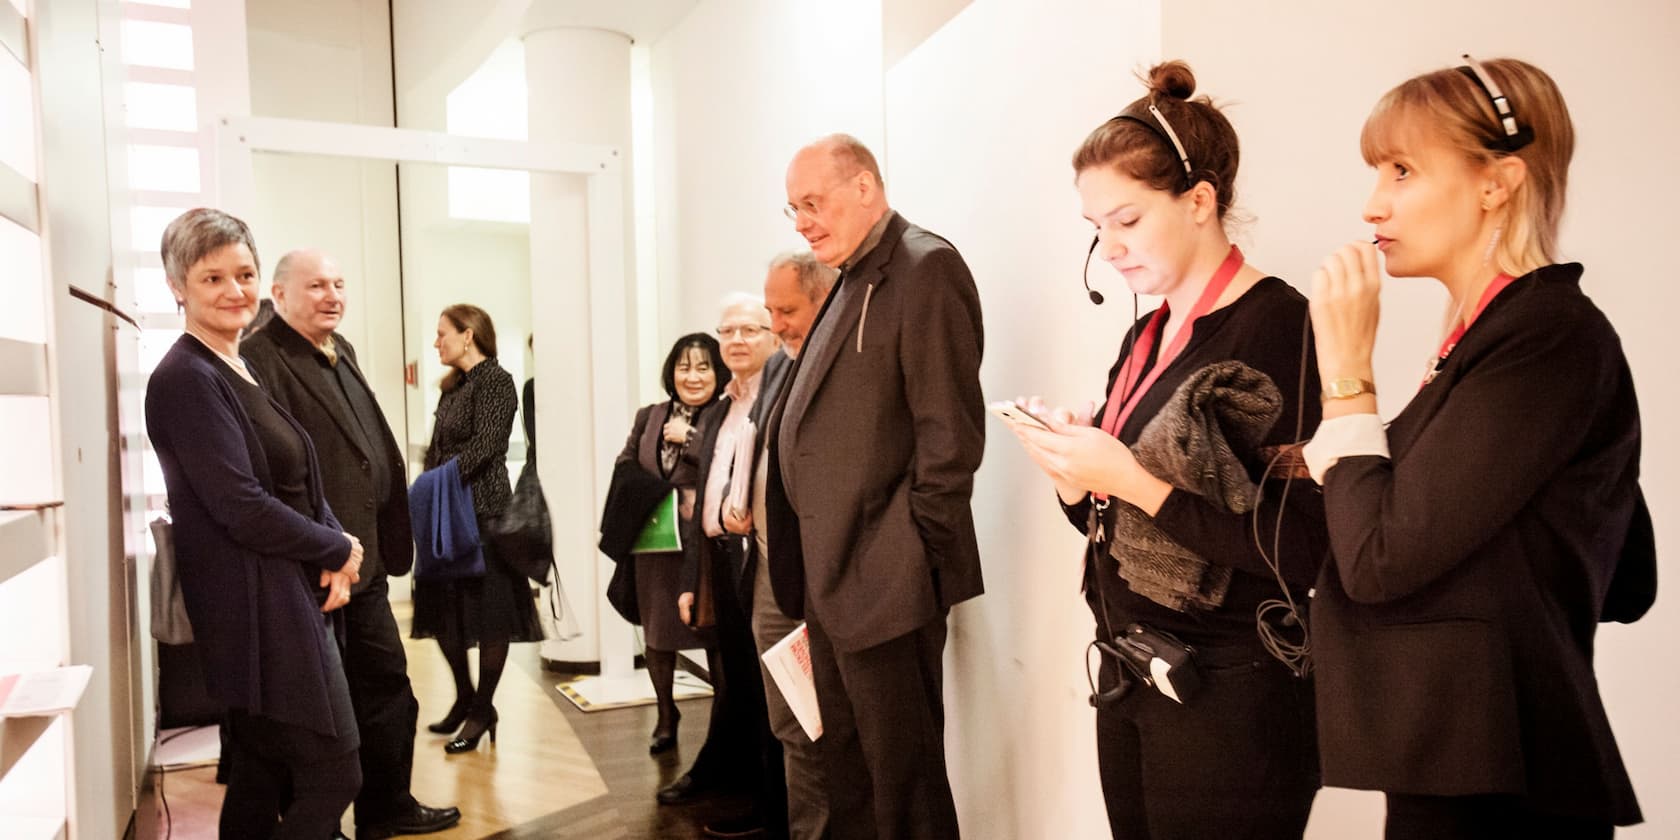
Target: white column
579, 83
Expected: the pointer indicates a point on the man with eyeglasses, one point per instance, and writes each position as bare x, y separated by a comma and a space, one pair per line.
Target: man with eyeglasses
740, 751
794, 290
872, 459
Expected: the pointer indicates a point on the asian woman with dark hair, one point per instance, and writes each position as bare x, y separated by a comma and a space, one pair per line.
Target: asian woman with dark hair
661, 444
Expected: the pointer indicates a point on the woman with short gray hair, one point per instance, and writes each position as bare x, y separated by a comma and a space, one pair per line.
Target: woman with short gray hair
262, 560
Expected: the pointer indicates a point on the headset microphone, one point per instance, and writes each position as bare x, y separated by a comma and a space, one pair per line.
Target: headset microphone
1096, 296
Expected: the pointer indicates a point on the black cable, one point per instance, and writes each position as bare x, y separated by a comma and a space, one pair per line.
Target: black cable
183, 731
1100, 508
169, 818
1297, 656
163, 798
396, 173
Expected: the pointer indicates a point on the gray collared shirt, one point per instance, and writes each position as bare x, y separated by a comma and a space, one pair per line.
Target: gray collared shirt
869, 242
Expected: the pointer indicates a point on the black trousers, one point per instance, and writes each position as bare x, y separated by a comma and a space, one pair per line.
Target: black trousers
285, 782
1487, 817
386, 710
741, 751
883, 742
1238, 762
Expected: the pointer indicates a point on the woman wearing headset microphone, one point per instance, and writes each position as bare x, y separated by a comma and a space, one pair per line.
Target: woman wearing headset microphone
1174, 564
1481, 537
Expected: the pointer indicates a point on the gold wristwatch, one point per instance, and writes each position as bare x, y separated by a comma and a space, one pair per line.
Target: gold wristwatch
1347, 388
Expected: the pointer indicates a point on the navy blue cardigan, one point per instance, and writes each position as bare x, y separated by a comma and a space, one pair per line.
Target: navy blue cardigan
248, 562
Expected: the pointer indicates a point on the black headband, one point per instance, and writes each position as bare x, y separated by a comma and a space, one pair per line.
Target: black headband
1512, 136
1164, 130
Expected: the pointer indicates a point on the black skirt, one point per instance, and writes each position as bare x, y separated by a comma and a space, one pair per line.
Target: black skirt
497, 608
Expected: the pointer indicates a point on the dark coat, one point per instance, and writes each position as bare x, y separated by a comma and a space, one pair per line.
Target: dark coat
875, 448
292, 372
249, 564
472, 424
1453, 631
637, 487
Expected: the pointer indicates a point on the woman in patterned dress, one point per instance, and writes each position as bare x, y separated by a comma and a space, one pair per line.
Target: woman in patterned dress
473, 421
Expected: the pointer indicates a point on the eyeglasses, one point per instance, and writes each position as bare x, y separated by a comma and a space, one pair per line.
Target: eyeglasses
747, 332
811, 207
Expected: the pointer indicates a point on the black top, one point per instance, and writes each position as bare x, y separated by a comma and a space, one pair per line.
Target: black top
288, 461
365, 480
359, 404
1262, 329
1454, 630
472, 423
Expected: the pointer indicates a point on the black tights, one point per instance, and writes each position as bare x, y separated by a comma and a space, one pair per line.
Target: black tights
662, 670
492, 659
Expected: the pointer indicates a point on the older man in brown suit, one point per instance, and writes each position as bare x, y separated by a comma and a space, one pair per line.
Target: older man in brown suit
871, 536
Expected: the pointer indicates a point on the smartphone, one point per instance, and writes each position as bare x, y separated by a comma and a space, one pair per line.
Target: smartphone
1014, 412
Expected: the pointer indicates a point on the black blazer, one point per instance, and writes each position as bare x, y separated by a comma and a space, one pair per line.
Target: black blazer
249, 564
1453, 631
291, 371
875, 448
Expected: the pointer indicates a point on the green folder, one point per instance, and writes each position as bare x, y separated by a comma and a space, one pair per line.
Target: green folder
660, 533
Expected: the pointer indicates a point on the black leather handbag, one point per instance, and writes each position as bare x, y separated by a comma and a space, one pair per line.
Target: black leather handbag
621, 591
523, 536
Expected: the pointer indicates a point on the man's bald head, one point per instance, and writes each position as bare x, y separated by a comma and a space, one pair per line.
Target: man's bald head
308, 293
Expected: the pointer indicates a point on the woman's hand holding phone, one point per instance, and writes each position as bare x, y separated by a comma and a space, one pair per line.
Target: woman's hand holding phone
1043, 434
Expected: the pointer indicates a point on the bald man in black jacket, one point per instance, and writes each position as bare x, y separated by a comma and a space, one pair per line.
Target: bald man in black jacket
311, 371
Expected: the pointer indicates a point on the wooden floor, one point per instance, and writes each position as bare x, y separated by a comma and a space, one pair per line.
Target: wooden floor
555, 772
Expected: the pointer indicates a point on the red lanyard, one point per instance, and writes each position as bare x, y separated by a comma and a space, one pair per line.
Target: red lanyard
1498, 285
1123, 399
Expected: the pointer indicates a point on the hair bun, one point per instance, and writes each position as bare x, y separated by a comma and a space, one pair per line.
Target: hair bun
1172, 79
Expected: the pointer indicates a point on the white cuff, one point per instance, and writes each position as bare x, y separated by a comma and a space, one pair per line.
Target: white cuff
1344, 437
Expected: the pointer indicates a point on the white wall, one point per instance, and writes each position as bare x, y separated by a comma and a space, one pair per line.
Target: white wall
107, 733
979, 122
448, 261
331, 62
982, 122
739, 86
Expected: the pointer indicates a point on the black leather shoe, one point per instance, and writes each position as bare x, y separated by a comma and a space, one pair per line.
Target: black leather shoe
661, 742
685, 789
452, 721
732, 828
467, 739
420, 820
665, 732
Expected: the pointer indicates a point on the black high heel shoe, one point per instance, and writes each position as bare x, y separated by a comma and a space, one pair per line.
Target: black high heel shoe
452, 721
664, 736
465, 742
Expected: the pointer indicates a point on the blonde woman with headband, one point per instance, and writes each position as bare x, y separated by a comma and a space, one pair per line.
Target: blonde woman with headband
1479, 539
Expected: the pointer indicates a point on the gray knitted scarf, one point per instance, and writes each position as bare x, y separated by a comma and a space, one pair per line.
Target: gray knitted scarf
1192, 444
